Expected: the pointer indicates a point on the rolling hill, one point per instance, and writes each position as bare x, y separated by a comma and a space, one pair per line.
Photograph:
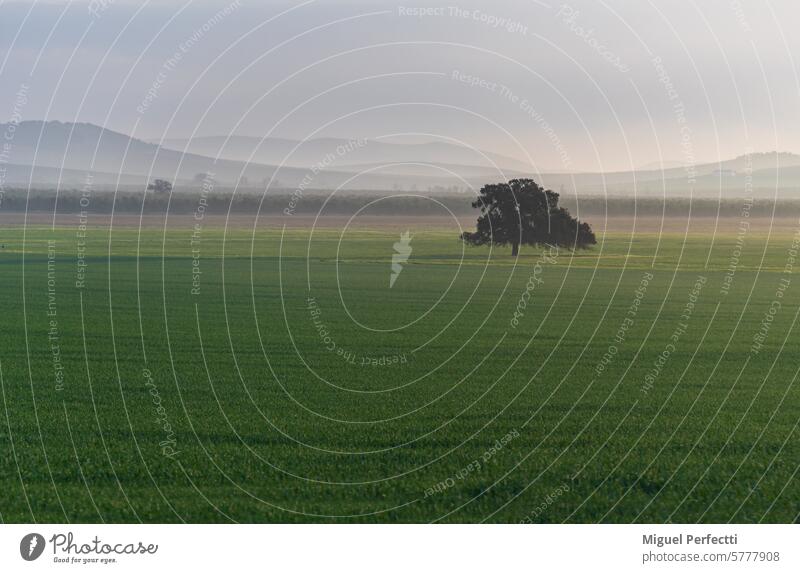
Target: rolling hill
47, 154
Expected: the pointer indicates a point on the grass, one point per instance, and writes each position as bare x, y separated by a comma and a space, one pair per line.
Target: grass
249, 402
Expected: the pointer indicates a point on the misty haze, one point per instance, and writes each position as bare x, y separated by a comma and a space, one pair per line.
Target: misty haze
375, 262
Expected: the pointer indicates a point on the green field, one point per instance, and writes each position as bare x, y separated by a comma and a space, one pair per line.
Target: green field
294, 385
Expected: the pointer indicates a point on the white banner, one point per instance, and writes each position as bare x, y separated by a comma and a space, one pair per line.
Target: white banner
399, 548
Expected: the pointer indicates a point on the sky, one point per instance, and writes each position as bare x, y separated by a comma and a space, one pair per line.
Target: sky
581, 86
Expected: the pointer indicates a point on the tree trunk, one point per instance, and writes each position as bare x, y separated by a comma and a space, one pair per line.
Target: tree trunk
514, 249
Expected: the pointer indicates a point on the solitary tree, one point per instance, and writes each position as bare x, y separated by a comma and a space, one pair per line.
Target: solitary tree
160, 186
520, 212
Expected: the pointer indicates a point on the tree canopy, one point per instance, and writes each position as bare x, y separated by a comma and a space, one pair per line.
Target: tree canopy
521, 212
160, 186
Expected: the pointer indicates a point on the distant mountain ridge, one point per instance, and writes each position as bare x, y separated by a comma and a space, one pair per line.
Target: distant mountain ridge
323, 163
51, 153
298, 153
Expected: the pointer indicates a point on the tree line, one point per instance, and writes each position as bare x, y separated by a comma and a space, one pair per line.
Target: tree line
312, 201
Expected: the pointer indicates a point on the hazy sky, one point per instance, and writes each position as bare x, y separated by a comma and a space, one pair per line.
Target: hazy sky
579, 86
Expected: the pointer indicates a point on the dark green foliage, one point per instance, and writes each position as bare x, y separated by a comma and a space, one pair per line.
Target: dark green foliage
160, 186
521, 212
